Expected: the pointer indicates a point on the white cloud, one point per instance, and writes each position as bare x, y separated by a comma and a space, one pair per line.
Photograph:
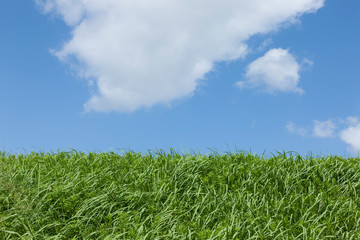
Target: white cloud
141, 53
276, 71
292, 128
349, 131
352, 120
351, 134
324, 129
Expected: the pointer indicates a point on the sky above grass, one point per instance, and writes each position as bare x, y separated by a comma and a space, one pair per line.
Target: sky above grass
259, 76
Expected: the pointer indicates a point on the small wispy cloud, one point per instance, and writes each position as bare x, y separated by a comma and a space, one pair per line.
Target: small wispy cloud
347, 130
298, 130
265, 45
323, 129
276, 71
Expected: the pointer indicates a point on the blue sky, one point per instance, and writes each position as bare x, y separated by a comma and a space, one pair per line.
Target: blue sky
104, 75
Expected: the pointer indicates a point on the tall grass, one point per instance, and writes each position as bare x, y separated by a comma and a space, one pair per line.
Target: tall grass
75, 195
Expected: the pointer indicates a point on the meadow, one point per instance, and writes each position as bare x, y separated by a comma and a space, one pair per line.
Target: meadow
168, 195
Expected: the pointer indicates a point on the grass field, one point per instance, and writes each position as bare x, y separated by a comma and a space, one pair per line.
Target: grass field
74, 195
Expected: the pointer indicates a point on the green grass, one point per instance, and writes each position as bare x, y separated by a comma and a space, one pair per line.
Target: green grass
74, 195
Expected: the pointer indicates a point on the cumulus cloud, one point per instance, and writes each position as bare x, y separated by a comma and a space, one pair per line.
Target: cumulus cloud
351, 134
276, 71
324, 129
142, 53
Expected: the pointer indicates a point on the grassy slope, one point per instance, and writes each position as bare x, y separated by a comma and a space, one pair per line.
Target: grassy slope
172, 196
